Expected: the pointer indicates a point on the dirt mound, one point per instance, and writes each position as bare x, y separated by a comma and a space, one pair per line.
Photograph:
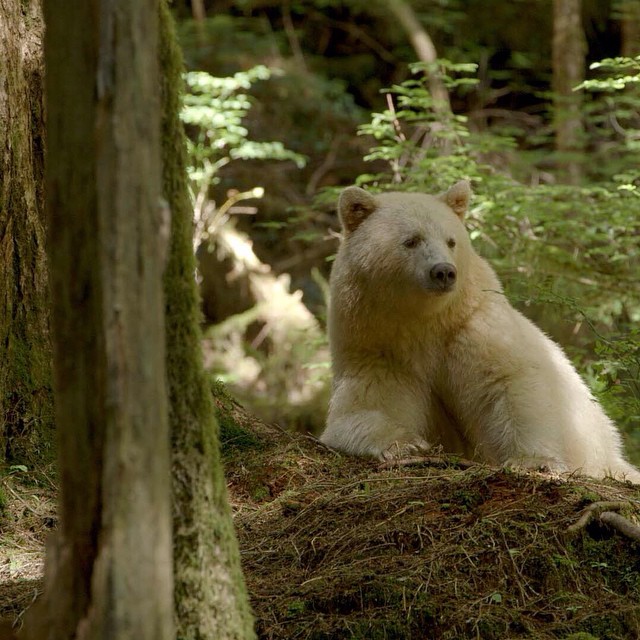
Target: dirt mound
336, 547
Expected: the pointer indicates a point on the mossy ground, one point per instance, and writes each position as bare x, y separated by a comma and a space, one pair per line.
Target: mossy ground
335, 547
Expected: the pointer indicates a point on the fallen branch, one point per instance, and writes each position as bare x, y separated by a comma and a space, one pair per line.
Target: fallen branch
621, 524
604, 513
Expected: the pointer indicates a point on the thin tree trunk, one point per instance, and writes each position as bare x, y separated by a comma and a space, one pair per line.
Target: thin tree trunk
630, 27
108, 572
199, 16
198, 10
569, 50
424, 48
26, 400
210, 597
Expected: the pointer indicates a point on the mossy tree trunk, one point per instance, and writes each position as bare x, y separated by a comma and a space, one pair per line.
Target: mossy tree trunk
210, 596
26, 406
569, 51
109, 570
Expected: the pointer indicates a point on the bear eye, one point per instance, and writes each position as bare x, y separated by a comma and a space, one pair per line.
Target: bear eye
412, 242
451, 243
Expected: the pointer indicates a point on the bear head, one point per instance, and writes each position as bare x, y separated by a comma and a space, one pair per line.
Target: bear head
411, 242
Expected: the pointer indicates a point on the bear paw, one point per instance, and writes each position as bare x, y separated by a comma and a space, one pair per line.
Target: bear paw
397, 450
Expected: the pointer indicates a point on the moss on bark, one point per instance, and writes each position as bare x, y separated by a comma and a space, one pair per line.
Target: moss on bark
26, 400
210, 596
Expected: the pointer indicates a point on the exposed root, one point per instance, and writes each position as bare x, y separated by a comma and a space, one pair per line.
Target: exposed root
604, 512
621, 524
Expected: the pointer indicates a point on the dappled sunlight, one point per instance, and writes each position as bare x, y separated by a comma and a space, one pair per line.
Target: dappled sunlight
271, 351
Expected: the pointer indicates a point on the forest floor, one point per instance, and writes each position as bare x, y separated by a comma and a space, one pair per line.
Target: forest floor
27, 516
336, 547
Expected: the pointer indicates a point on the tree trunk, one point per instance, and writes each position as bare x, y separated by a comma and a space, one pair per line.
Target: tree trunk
630, 27
210, 597
569, 50
425, 50
199, 16
108, 572
26, 401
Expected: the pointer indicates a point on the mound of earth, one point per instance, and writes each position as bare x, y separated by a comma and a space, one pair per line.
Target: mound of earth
337, 547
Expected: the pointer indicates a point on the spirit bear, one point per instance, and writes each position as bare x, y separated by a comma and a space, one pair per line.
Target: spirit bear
427, 350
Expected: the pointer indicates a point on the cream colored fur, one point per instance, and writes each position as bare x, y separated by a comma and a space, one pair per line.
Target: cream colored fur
416, 367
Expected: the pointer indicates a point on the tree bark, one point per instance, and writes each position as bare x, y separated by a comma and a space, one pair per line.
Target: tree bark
210, 596
630, 27
199, 16
425, 50
569, 51
108, 572
26, 400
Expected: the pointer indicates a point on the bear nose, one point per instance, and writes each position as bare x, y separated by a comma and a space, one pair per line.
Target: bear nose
443, 274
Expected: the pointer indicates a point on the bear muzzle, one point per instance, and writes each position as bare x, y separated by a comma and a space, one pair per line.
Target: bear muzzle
442, 276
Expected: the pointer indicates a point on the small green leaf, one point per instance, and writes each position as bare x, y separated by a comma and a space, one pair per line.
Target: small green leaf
18, 467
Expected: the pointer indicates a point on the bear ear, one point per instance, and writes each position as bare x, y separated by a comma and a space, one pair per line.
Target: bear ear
354, 207
457, 197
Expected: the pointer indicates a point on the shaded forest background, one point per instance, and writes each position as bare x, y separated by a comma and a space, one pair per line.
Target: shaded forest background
304, 98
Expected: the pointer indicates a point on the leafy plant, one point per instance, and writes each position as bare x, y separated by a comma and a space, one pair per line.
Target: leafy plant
213, 111
621, 73
613, 119
617, 375
414, 134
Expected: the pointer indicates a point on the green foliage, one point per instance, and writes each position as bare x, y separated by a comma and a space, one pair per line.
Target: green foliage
216, 108
213, 111
613, 120
616, 374
620, 73
415, 134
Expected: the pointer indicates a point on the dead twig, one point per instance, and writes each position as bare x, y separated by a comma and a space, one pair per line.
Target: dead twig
325, 166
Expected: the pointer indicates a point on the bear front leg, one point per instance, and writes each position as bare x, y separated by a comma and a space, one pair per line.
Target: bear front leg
509, 430
380, 418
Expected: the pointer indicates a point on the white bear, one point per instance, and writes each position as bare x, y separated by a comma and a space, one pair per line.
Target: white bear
426, 350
